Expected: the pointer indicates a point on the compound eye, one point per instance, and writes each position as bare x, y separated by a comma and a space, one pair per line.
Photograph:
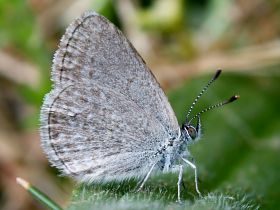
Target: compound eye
192, 132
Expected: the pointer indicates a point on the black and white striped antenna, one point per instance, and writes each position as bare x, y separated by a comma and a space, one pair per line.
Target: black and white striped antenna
231, 99
218, 72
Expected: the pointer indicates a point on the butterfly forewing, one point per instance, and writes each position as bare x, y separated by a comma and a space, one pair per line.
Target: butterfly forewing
93, 51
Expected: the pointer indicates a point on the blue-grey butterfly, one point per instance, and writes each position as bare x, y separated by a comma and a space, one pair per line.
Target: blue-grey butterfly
106, 117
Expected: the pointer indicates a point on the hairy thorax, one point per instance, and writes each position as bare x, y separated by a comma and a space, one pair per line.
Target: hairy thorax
170, 153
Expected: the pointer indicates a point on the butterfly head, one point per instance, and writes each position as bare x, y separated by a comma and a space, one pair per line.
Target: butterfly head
192, 133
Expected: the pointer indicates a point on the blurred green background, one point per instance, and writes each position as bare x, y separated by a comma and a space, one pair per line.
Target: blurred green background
183, 42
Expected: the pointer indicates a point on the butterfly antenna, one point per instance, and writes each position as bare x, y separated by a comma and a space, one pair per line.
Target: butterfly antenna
217, 74
231, 99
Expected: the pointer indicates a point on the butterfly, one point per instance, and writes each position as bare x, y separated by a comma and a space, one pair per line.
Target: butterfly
106, 117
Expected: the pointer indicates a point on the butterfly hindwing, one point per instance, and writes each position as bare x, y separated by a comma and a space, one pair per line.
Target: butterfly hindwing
98, 134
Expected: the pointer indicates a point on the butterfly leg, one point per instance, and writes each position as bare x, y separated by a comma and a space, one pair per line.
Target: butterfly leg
146, 178
179, 183
195, 174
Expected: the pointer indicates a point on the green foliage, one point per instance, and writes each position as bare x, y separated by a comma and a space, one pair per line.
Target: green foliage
122, 196
211, 201
21, 34
237, 158
20, 31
